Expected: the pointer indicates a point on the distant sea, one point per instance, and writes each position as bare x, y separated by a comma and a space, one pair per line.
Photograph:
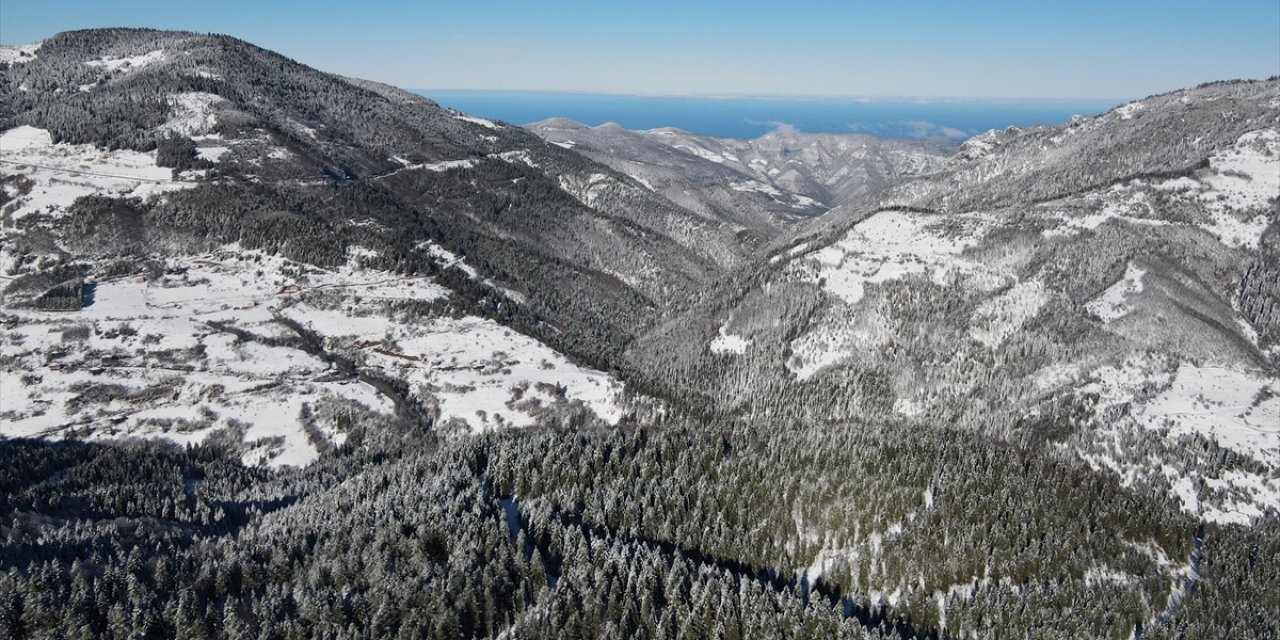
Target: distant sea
749, 117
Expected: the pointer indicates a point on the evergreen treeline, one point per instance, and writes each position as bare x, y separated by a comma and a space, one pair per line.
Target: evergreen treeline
1259, 293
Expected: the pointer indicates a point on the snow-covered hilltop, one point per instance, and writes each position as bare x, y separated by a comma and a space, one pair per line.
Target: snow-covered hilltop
221, 262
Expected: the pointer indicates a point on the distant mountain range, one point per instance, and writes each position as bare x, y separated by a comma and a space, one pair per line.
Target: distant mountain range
432, 375
781, 178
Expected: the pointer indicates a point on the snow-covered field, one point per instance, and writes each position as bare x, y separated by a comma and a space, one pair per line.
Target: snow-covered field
587, 189
203, 347
477, 371
193, 113
130, 63
793, 200
1240, 410
19, 54
1236, 409
1126, 112
702, 152
488, 124
895, 244
154, 358
1114, 302
437, 167
1234, 195
1244, 180
836, 340
62, 172
726, 342
889, 246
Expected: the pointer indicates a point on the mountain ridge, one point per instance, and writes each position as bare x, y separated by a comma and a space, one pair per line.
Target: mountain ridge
325, 144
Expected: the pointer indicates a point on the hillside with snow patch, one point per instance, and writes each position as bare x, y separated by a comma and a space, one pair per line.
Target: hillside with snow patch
1120, 322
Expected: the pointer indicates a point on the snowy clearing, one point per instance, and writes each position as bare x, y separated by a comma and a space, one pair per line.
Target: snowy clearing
793, 200
1233, 194
1239, 410
212, 154
128, 64
480, 121
1126, 112
729, 343
203, 350
894, 244
18, 54
61, 173
1245, 179
519, 155
588, 189
193, 113
1113, 303
835, 340
701, 152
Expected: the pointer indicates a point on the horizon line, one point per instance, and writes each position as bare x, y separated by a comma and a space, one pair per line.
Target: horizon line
866, 98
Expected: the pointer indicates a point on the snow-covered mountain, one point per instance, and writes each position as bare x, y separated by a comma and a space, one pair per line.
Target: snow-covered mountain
775, 183
201, 240
433, 375
1106, 286
371, 166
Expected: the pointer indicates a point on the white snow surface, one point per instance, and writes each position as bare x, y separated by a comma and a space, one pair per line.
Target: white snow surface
1113, 303
1234, 194
518, 155
212, 154
834, 341
793, 200
1126, 112
62, 172
729, 343
703, 153
19, 54
1238, 409
1246, 179
446, 165
895, 244
143, 359
588, 189
480, 121
153, 337
193, 113
890, 246
479, 372
130, 63
448, 259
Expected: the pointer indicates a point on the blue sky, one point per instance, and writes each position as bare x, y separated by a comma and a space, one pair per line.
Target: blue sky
1078, 49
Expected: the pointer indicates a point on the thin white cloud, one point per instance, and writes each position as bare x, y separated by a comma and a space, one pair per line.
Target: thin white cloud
778, 125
